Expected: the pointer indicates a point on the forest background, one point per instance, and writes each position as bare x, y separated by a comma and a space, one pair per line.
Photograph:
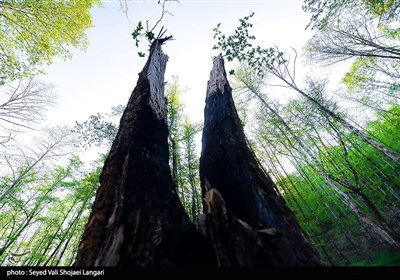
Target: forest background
319, 107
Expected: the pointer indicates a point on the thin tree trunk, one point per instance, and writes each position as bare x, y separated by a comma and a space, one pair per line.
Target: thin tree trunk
12, 238
325, 233
191, 174
69, 230
50, 239
342, 121
174, 151
309, 155
64, 249
378, 215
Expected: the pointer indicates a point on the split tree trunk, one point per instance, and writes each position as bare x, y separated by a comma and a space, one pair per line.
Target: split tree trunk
252, 225
137, 218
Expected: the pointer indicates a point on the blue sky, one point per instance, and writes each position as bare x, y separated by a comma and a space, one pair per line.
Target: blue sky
107, 72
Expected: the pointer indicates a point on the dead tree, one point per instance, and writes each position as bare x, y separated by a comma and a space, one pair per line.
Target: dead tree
247, 219
137, 218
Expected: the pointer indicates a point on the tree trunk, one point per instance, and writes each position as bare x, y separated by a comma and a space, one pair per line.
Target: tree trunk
137, 218
252, 225
308, 154
390, 154
174, 151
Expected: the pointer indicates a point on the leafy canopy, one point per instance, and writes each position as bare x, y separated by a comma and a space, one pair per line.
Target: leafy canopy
33, 32
324, 12
239, 46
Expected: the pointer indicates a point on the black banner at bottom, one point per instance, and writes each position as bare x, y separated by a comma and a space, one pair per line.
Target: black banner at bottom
204, 273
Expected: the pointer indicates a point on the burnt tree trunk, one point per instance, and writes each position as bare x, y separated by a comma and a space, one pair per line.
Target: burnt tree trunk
247, 220
137, 218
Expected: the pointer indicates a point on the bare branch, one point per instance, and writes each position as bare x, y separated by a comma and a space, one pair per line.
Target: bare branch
354, 36
23, 103
56, 145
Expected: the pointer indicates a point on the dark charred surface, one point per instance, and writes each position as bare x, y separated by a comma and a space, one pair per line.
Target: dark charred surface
230, 167
238, 244
137, 218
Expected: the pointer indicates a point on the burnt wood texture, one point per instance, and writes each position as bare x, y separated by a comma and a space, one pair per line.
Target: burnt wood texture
137, 218
250, 197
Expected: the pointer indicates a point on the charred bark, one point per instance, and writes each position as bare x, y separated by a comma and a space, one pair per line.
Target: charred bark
228, 165
237, 244
137, 218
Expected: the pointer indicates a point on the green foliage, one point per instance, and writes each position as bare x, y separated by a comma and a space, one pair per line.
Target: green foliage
99, 130
238, 46
140, 32
359, 73
33, 32
336, 191
382, 8
174, 108
392, 33
184, 160
96, 130
137, 33
45, 217
364, 30
380, 258
320, 211
324, 12
190, 169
